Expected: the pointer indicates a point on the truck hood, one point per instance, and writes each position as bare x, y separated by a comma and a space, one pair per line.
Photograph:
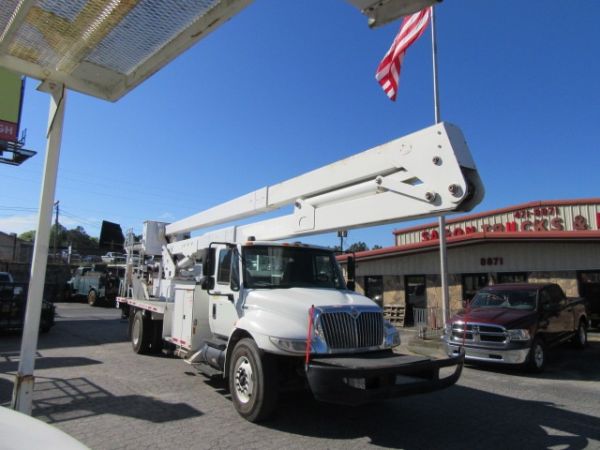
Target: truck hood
288, 308
507, 317
299, 300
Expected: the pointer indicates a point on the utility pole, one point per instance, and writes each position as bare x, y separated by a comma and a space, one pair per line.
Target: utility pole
442, 218
342, 234
56, 205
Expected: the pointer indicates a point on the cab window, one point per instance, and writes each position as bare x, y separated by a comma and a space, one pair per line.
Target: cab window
224, 269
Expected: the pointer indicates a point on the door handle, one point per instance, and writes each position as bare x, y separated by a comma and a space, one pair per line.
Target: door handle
214, 311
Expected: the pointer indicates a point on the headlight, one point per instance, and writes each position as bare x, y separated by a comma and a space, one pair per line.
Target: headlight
289, 345
391, 335
518, 335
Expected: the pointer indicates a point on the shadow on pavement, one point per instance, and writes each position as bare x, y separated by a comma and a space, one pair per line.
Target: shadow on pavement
564, 362
57, 400
72, 333
476, 419
47, 363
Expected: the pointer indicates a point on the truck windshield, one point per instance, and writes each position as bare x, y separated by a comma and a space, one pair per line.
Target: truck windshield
269, 267
505, 299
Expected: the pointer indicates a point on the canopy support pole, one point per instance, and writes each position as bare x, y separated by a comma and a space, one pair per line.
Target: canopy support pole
24, 380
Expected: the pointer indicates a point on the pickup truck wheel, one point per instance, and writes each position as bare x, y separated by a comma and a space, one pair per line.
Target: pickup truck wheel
92, 298
580, 339
253, 381
67, 294
141, 333
537, 356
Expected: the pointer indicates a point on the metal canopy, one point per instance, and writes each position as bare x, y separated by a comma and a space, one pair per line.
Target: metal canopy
381, 12
103, 48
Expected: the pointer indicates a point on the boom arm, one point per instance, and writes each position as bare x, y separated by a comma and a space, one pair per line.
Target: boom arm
424, 174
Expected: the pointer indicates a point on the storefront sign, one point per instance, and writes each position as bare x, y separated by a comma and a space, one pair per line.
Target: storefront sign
522, 220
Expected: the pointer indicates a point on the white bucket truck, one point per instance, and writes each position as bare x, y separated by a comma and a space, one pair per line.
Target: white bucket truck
237, 303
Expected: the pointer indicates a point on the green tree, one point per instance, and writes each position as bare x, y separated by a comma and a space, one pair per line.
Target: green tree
77, 238
357, 247
27, 236
376, 247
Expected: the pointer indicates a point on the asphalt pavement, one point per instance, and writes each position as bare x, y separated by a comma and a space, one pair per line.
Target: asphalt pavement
91, 385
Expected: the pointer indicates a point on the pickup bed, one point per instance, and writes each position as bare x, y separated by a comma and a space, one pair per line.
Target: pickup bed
516, 324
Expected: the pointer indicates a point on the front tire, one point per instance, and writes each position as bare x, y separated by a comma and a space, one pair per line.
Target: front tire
92, 298
537, 356
253, 381
580, 339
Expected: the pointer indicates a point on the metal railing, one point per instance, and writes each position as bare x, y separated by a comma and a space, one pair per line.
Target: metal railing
429, 322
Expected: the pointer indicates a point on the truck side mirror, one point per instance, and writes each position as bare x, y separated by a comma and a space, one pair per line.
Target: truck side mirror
208, 283
209, 265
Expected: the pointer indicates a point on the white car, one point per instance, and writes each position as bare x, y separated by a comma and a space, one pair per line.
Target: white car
21, 431
114, 257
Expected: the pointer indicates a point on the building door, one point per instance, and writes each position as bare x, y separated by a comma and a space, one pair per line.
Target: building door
589, 288
416, 297
471, 283
512, 277
374, 288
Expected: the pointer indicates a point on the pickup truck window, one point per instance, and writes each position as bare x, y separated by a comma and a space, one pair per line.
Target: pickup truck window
525, 300
556, 293
5, 277
270, 267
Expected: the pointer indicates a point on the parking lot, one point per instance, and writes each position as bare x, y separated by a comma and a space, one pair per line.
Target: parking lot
90, 384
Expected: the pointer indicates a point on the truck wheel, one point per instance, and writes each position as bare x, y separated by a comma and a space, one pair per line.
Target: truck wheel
156, 345
253, 381
141, 333
580, 339
92, 298
537, 356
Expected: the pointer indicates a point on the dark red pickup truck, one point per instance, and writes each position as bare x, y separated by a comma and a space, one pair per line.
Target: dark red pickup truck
516, 323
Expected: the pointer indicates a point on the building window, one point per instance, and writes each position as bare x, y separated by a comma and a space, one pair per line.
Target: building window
512, 277
374, 288
471, 283
416, 296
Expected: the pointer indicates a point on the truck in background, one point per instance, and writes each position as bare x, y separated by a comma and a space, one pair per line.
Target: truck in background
13, 301
238, 303
516, 324
98, 283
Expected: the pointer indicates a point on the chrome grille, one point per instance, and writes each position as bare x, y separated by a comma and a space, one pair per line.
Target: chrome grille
344, 331
476, 332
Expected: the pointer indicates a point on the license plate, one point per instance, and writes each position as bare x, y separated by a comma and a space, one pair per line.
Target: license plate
405, 379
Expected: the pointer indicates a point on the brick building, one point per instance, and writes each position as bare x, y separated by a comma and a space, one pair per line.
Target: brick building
555, 241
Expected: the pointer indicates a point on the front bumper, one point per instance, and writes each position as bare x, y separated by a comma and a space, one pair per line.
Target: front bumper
493, 355
358, 379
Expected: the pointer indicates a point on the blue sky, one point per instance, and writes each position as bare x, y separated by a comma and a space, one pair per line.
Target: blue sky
286, 87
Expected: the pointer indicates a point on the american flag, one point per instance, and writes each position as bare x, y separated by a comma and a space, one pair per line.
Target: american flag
388, 70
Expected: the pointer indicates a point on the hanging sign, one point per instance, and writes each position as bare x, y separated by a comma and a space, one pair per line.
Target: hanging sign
11, 92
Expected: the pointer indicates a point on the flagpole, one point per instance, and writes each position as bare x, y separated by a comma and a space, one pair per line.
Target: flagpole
442, 218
